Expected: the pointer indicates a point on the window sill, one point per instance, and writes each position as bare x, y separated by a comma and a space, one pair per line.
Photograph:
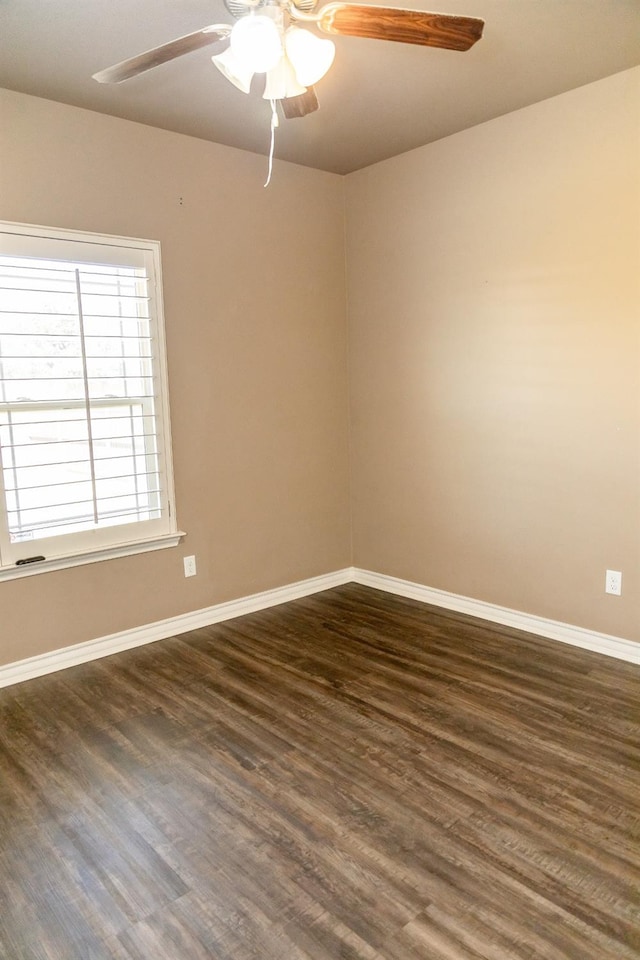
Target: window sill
80, 559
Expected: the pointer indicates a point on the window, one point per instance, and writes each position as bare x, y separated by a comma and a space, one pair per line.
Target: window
84, 427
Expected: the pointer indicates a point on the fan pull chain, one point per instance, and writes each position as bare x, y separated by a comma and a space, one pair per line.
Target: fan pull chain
274, 124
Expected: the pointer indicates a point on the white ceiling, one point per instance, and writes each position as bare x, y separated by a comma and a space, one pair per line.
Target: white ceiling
379, 99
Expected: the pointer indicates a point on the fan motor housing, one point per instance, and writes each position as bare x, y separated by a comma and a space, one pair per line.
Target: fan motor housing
240, 8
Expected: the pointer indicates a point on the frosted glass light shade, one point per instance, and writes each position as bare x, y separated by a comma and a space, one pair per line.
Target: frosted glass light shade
310, 56
256, 43
282, 82
230, 67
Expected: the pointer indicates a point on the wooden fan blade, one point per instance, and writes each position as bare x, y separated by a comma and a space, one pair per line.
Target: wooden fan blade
404, 26
300, 106
168, 51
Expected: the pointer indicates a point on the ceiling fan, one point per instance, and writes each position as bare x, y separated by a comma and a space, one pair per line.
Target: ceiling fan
266, 39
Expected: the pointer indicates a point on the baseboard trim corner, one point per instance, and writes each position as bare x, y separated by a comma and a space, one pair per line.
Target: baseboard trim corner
42, 664
611, 646
79, 653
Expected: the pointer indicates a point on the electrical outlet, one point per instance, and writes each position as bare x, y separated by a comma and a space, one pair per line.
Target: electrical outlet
613, 583
189, 566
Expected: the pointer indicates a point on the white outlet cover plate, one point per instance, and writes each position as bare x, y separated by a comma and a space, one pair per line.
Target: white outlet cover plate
613, 583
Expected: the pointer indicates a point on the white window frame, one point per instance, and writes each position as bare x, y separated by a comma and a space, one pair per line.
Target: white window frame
100, 543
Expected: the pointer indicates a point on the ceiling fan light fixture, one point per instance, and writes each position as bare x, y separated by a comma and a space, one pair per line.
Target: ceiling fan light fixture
231, 68
281, 82
310, 56
256, 43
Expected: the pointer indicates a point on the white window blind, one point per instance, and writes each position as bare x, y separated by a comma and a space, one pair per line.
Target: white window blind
83, 406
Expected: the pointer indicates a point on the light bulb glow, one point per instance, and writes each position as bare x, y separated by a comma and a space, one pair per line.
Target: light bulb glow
256, 43
281, 82
231, 68
310, 56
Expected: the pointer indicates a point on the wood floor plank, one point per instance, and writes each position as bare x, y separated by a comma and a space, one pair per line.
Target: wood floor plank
350, 776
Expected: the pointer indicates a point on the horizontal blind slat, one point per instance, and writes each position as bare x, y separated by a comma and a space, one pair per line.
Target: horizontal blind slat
51, 335
95, 294
95, 376
34, 423
64, 483
52, 465
62, 401
48, 443
34, 265
73, 356
89, 316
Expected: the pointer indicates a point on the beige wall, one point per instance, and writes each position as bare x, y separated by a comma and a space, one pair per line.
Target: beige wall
494, 358
493, 287
255, 316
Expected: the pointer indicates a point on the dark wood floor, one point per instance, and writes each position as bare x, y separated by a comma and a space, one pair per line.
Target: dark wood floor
348, 777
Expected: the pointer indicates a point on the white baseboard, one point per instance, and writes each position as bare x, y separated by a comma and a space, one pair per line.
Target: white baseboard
104, 646
551, 629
